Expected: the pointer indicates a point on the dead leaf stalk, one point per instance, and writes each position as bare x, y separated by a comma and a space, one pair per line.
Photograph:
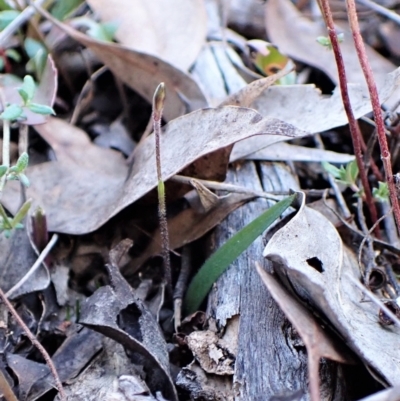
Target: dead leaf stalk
36, 343
373, 92
6, 389
158, 107
35, 266
353, 124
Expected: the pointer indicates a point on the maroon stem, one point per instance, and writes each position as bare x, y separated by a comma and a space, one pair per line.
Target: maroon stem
36, 343
353, 124
376, 107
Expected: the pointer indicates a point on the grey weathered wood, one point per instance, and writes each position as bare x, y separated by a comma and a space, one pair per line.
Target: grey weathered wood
271, 359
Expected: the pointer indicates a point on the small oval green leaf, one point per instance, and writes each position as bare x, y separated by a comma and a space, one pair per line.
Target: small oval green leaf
11, 112
224, 256
41, 109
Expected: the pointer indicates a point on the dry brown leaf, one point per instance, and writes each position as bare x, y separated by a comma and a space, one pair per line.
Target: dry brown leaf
282, 151
78, 200
143, 72
317, 266
319, 343
305, 108
172, 30
189, 225
296, 35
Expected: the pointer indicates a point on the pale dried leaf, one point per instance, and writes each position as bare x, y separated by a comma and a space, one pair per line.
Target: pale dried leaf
172, 30
296, 35
316, 266
80, 192
143, 72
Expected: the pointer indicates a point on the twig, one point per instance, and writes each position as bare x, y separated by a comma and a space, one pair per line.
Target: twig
373, 92
381, 10
374, 299
220, 186
25, 16
181, 283
354, 127
35, 266
36, 343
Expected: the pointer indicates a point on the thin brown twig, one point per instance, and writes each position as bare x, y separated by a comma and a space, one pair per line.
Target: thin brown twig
36, 343
376, 107
353, 124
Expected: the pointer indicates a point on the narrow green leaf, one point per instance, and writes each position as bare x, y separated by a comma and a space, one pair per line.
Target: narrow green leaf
11, 112
40, 108
224, 256
21, 213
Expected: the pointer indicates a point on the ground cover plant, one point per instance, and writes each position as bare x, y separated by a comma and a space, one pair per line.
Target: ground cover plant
199, 200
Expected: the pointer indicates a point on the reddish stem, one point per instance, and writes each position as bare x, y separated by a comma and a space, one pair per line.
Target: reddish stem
376, 107
353, 124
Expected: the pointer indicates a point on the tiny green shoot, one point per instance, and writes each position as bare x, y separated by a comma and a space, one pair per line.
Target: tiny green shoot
381, 194
326, 41
227, 253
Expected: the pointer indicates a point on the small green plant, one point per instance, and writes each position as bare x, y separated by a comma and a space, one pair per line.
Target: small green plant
12, 113
326, 41
381, 194
348, 176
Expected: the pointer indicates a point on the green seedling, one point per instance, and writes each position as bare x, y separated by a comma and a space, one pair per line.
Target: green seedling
381, 194
326, 41
6, 17
348, 177
344, 175
227, 253
8, 224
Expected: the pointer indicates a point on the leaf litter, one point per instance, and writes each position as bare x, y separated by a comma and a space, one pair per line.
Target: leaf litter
95, 200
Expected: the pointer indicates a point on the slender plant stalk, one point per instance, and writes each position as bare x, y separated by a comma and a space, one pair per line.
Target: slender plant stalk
376, 107
158, 107
36, 343
353, 124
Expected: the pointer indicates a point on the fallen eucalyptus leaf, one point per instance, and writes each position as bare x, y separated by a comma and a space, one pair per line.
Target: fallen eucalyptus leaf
115, 312
96, 180
173, 33
142, 72
309, 257
224, 256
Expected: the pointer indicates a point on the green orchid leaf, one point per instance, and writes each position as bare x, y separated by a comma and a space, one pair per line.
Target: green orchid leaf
11, 112
224, 256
